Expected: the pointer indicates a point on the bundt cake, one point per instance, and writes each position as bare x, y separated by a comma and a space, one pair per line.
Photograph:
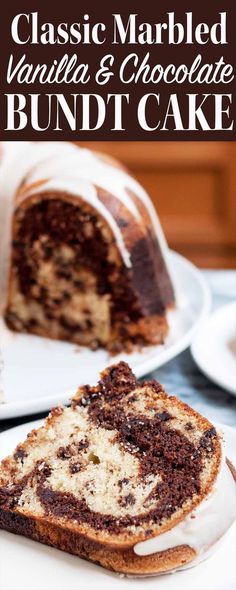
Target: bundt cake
88, 256
9, 156
126, 477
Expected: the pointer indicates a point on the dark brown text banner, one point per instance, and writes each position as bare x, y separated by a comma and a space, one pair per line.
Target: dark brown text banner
118, 71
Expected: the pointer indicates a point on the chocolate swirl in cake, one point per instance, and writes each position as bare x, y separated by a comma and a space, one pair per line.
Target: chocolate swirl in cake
120, 458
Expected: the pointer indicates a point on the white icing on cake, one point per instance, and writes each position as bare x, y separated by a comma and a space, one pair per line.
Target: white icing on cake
63, 166
205, 526
88, 193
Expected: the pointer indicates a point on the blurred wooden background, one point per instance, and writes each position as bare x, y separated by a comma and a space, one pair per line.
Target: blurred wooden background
193, 186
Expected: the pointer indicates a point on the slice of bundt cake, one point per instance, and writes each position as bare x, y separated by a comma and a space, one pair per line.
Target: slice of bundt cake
123, 466
88, 256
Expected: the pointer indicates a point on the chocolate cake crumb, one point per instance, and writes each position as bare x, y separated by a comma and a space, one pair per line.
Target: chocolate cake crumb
189, 426
64, 452
57, 411
20, 454
83, 444
163, 416
75, 467
69, 325
42, 471
122, 482
132, 399
128, 500
207, 440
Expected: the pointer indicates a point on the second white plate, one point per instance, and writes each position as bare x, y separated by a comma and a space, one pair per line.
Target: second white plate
40, 373
214, 347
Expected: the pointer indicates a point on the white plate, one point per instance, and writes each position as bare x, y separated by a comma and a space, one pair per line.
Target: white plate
214, 347
39, 372
27, 565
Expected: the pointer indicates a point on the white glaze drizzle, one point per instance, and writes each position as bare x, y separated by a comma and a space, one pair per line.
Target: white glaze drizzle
77, 171
205, 526
83, 164
88, 193
68, 167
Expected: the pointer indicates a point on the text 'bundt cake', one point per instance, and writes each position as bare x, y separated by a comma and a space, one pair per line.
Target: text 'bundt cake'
88, 256
127, 477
